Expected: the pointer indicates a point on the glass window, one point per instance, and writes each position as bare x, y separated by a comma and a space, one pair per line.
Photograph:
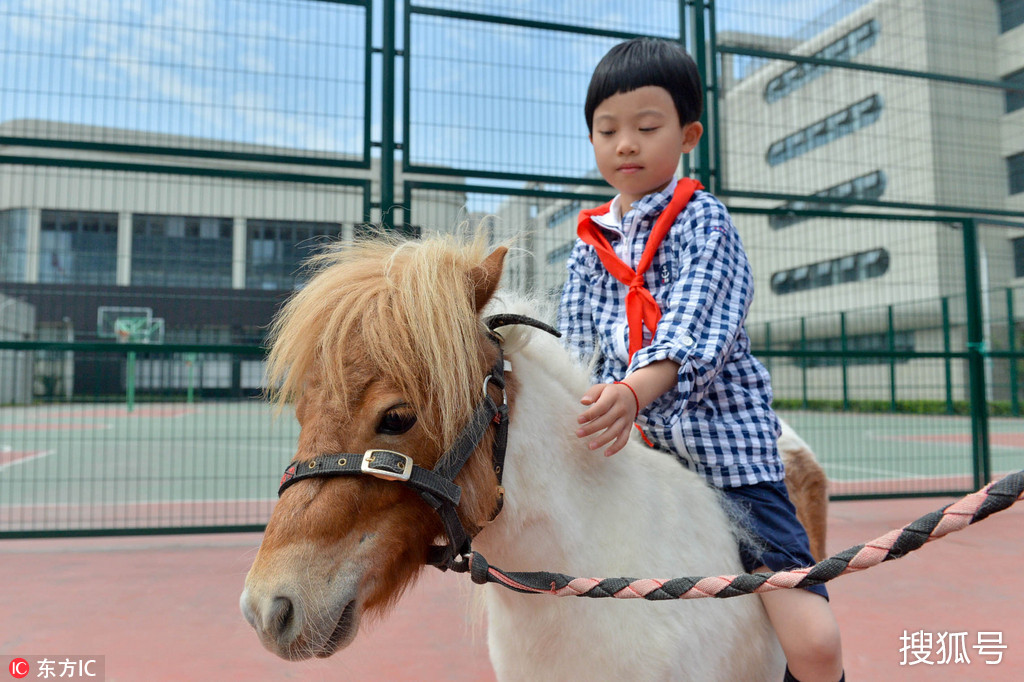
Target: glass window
181, 251
13, 235
854, 117
844, 49
858, 266
865, 187
76, 247
1014, 98
276, 249
1018, 257
1015, 170
1011, 14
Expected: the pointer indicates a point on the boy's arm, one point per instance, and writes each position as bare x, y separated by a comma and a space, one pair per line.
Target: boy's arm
707, 307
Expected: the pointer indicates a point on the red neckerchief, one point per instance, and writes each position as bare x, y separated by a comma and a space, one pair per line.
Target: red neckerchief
641, 308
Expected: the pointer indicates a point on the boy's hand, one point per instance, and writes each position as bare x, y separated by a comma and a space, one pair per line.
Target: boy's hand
612, 409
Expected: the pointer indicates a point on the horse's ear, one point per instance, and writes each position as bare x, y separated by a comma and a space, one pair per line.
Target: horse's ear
485, 277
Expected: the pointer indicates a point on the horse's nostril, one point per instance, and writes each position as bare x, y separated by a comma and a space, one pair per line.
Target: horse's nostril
280, 615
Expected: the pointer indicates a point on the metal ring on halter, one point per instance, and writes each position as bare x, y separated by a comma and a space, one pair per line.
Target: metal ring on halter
504, 395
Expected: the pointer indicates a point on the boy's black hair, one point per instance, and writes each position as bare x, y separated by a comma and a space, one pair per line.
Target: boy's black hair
647, 61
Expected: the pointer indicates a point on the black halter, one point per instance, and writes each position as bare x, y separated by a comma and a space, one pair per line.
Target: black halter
436, 486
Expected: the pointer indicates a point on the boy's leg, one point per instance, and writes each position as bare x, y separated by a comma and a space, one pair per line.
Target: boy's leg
808, 632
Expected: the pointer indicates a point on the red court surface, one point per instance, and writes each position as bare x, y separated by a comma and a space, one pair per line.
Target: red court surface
166, 607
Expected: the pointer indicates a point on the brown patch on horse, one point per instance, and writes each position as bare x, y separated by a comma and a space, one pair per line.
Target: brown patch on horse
807, 486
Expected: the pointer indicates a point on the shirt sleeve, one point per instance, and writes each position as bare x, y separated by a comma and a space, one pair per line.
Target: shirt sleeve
707, 306
575, 319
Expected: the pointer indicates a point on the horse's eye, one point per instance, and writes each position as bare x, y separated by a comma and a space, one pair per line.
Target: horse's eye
396, 421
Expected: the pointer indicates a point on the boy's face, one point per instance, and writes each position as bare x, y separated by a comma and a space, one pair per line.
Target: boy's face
638, 140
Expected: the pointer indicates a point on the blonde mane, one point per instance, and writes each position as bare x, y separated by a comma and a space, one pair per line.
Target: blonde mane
404, 309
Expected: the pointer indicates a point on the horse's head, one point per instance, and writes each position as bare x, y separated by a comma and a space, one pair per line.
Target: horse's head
382, 349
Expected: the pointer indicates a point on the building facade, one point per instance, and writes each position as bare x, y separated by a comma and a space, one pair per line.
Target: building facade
843, 135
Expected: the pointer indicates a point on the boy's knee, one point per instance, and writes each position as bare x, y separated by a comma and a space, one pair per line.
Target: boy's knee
818, 655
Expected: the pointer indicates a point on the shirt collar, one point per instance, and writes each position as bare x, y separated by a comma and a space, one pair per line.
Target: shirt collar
612, 220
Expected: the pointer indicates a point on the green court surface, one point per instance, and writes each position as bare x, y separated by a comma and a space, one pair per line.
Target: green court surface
867, 454
162, 464
217, 464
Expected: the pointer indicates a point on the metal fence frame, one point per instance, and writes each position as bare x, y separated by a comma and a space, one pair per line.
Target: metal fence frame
697, 21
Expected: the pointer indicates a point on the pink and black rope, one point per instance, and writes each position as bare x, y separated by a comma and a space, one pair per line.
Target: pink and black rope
895, 544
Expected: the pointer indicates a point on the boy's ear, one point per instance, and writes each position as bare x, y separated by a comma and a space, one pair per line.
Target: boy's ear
691, 136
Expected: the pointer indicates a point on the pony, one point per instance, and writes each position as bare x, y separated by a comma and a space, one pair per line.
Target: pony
385, 350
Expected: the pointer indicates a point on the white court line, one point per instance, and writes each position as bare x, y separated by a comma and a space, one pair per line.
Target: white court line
37, 455
872, 470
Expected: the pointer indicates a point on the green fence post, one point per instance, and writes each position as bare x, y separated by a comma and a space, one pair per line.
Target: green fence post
842, 360
129, 398
387, 124
803, 361
1011, 344
892, 360
946, 349
700, 56
190, 362
976, 355
768, 346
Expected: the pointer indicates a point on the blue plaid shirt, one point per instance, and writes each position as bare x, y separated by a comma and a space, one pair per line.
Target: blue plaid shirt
718, 421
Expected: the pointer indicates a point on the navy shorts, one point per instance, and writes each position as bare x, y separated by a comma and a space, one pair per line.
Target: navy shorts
773, 536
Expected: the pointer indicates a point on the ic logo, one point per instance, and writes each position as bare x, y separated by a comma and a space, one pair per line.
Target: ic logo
19, 668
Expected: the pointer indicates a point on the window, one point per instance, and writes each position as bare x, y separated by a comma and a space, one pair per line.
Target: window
276, 249
1014, 98
842, 123
568, 211
865, 187
845, 49
77, 247
1015, 171
1018, 257
859, 266
1011, 14
13, 235
181, 251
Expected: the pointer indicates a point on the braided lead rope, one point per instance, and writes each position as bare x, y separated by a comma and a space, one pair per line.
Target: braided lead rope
895, 544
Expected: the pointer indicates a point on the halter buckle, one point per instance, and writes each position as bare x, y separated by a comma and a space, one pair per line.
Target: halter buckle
386, 464
504, 393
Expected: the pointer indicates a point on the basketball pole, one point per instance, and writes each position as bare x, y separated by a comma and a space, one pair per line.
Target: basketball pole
130, 383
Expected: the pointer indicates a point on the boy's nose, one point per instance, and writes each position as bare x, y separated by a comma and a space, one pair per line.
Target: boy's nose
627, 145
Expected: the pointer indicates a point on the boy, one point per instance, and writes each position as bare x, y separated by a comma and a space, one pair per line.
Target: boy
671, 352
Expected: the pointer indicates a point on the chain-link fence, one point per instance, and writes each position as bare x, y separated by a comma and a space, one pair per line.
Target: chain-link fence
165, 168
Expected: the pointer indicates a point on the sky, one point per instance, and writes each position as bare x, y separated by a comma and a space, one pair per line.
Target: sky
289, 73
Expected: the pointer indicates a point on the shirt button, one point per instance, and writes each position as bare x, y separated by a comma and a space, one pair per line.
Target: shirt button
688, 341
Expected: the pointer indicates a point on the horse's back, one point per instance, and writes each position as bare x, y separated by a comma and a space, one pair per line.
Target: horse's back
638, 514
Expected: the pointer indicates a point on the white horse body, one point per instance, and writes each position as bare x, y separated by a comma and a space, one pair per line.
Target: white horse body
638, 514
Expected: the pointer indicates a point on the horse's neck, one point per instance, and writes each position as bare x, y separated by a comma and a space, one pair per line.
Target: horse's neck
570, 508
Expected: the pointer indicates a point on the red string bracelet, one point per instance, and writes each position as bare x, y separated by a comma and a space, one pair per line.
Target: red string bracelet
635, 397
